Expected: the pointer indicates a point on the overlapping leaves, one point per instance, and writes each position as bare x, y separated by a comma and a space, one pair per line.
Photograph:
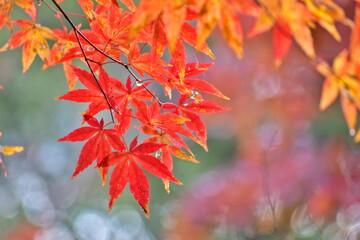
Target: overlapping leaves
137, 38
105, 142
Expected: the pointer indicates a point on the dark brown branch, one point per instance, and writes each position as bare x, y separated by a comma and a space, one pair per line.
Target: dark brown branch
92, 72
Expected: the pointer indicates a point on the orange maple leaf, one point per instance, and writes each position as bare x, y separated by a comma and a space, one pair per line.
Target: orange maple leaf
341, 79
33, 36
293, 19
276, 15
326, 12
209, 13
6, 7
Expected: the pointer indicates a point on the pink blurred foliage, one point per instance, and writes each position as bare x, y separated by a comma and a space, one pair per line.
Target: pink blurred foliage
22, 230
280, 167
323, 179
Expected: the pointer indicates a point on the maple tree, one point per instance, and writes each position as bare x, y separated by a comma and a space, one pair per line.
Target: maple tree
148, 40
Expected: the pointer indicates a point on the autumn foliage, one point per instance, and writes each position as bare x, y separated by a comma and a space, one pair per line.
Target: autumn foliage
164, 96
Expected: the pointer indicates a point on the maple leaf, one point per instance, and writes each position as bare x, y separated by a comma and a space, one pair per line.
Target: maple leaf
131, 92
187, 110
127, 170
106, 91
87, 6
171, 148
146, 12
151, 117
204, 107
6, 6
154, 66
112, 27
274, 15
187, 35
170, 123
10, 150
207, 13
109, 30
220, 12
99, 143
326, 12
98, 94
33, 37
189, 84
340, 79
174, 16
5, 10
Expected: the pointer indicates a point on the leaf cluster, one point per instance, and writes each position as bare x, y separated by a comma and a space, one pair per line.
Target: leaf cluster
136, 38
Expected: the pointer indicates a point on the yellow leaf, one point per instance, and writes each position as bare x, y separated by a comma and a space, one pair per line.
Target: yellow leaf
298, 23
349, 111
33, 36
167, 186
209, 16
10, 150
4, 48
350, 84
330, 91
28, 6
340, 63
28, 54
357, 136
174, 16
180, 154
326, 13
323, 68
263, 23
146, 12
87, 6
231, 29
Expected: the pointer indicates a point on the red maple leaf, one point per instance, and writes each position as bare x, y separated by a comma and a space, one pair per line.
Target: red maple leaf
96, 92
131, 92
99, 143
189, 85
189, 110
170, 123
127, 170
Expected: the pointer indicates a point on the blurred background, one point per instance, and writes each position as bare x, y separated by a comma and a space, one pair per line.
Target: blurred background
277, 168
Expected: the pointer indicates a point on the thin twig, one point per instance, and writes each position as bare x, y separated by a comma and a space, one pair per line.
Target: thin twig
126, 66
266, 179
56, 12
92, 72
